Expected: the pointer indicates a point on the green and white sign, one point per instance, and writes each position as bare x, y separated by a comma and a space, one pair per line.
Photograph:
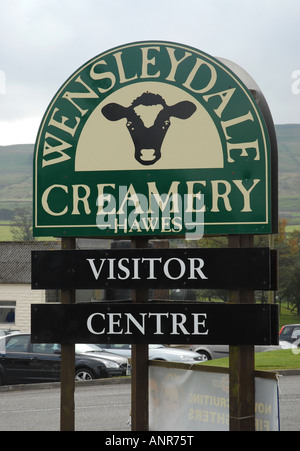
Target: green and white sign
152, 138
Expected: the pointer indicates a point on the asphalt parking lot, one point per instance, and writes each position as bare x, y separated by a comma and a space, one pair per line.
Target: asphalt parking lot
99, 407
105, 406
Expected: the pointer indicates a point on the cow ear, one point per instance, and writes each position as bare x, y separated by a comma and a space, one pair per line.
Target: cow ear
114, 111
183, 110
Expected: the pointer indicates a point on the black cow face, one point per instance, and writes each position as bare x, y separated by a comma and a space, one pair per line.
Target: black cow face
148, 139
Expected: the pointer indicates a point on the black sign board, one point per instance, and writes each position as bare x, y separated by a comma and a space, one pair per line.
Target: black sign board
225, 268
233, 324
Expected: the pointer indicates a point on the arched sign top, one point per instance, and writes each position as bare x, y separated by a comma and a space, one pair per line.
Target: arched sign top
152, 138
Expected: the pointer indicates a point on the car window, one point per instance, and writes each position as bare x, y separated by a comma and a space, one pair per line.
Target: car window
82, 348
296, 332
286, 331
45, 348
114, 346
17, 343
121, 346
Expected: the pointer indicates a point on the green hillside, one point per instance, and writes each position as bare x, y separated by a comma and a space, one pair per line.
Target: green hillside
16, 177
288, 139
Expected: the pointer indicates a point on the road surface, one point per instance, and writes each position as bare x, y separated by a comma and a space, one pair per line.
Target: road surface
107, 408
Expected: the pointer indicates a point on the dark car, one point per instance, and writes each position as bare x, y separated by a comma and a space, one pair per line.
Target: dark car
23, 362
290, 333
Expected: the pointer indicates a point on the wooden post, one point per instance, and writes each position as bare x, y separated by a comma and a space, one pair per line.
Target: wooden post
67, 390
241, 362
139, 363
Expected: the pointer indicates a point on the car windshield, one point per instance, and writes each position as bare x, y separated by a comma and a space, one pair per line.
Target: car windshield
287, 330
82, 348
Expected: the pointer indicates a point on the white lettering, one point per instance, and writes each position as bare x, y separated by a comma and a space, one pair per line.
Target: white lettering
131, 196
62, 123
136, 269
93, 267
175, 63
45, 203
243, 147
102, 76
182, 268
138, 323
114, 320
191, 196
235, 121
194, 269
89, 323
111, 262
146, 62
225, 98
90, 94
151, 266
172, 195
197, 323
158, 321
133, 320
122, 76
84, 199
124, 269
193, 73
51, 150
102, 198
296, 83
246, 193
178, 321
216, 195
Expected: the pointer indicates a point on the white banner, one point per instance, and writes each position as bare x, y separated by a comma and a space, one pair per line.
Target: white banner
181, 400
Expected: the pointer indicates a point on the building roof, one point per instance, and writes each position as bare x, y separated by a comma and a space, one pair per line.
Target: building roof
15, 259
15, 256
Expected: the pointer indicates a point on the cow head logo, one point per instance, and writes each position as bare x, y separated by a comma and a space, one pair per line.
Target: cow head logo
148, 120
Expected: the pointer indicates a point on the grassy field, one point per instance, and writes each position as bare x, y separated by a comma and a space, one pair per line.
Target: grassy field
285, 359
5, 234
287, 316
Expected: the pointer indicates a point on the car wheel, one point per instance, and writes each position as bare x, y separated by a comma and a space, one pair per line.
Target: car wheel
84, 374
204, 355
1, 380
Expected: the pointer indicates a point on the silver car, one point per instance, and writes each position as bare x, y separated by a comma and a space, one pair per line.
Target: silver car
210, 352
157, 352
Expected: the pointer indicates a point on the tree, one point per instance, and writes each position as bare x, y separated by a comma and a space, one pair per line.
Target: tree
292, 288
21, 228
288, 245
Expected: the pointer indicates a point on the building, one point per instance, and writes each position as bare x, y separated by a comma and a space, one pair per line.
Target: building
16, 295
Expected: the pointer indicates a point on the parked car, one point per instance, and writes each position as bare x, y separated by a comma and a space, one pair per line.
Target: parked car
94, 351
23, 362
210, 352
290, 333
156, 352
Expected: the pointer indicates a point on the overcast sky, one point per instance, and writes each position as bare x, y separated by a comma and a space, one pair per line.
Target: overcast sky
44, 41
